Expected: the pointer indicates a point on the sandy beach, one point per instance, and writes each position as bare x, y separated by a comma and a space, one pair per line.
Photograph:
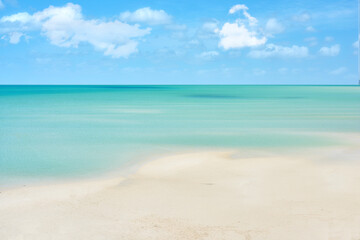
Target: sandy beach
225, 194
179, 120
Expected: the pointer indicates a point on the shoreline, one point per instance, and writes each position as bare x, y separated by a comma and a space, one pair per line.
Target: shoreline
218, 194
348, 140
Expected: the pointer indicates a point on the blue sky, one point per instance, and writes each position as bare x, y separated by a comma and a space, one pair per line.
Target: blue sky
179, 42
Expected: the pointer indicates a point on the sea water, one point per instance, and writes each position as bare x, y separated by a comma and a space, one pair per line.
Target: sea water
73, 131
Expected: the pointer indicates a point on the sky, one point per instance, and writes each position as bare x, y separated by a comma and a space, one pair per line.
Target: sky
179, 42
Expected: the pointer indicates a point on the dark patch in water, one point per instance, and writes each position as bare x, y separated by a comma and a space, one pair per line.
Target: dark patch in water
215, 96
133, 87
291, 97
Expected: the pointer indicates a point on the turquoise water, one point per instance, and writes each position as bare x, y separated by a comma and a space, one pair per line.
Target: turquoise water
72, 131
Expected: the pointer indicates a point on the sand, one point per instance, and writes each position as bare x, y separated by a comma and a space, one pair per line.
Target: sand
225, 194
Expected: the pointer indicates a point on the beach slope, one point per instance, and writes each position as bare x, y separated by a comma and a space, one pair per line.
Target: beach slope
203, 195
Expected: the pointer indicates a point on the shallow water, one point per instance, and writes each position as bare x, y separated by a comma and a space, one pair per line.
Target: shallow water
72, 131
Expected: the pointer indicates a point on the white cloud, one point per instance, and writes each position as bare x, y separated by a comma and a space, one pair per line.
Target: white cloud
146, 15
208, 55
1, 4
208, 29
233, 35
14, 37
273, 50
210, 26
242, 7
238, 7
303, 17
22, 17
356, 44
310, 29
339, 71
237, 34
66, 27
330, 51
311, 40
273, 26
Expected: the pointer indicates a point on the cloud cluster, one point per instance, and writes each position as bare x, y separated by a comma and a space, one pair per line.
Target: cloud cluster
240, 34
272, 50
146, 15
330, 51
66, 27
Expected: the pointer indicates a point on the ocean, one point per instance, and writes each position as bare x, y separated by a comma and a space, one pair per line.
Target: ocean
58, 132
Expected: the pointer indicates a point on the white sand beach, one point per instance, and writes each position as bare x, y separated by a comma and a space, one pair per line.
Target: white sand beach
227, 194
